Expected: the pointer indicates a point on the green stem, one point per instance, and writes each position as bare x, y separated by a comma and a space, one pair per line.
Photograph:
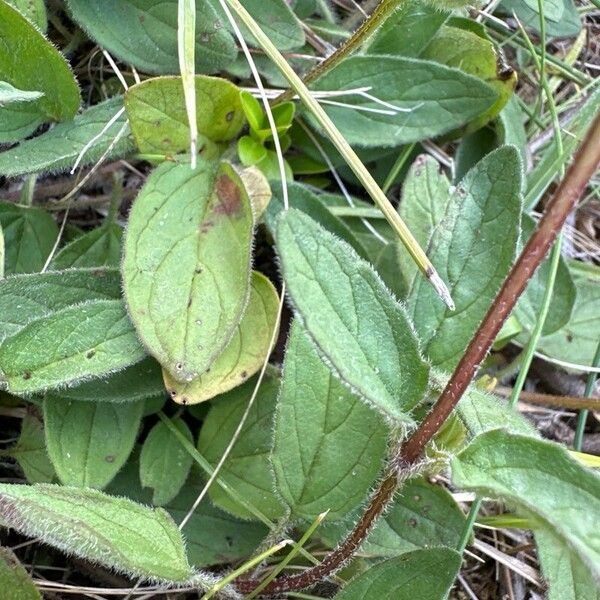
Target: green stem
343, 147
589, 388
26, 197
466, 534
369, 26
395, 170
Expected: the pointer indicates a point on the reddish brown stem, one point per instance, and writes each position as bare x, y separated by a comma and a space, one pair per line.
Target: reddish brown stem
568, 192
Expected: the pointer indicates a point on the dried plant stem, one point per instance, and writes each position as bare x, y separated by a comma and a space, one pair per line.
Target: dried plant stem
369, 26
585, 164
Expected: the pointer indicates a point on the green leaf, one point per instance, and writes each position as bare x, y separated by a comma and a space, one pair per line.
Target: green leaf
521, 470
274, 17
328, 446
566, 575
247, 469
89, 442
186, 264
96, 338
50, 152
577, 341
164, 462
471, 236
97, 248
158, 118
213, 536
355, 322
144, 33
561, 16
511, 129
475, 55
10, 94
30, 62
114, 532
422, 516
141, 381
34, 10
244, 354
423, 574
24, 298
561, 306
29, 235
30, 451
481, 412
15, 582
418, 21
440, 99
303, 199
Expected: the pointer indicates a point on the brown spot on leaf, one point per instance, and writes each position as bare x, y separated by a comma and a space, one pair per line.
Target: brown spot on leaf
27, 375
228, 194
90, 354
244, 374
109, 458
229, 116
412, 523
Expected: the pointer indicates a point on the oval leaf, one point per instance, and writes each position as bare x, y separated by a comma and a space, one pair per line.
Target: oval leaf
328, 446
247, 469
89, 442
164, 462
353, 319
158, 118
29, 235
186, 263
423, 574
437, 98
521, 470
97, 248
144, 33
96, 338
243, 356
48, 152
114, 532
30, 62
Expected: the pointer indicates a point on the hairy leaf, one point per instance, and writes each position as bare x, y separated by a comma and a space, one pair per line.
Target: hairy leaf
522, 470
475, 55
10, 94
164, 462
24, 298
563, 298
440, 99
144, 33
247, 468
58, 148
158, 118
186, 264
89, 442
96, 338
577, 341
328, 446
567, 576
29, 235
140, 381
30, 62
355, 322
30, 451
97, 248
423, 515
15, 582
473, 234
114, 532
244, 354
423, 574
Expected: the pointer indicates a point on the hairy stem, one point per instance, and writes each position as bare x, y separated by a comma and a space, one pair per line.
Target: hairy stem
585, 164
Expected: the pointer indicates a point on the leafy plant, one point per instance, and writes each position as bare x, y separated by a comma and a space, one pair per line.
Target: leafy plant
262, 278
